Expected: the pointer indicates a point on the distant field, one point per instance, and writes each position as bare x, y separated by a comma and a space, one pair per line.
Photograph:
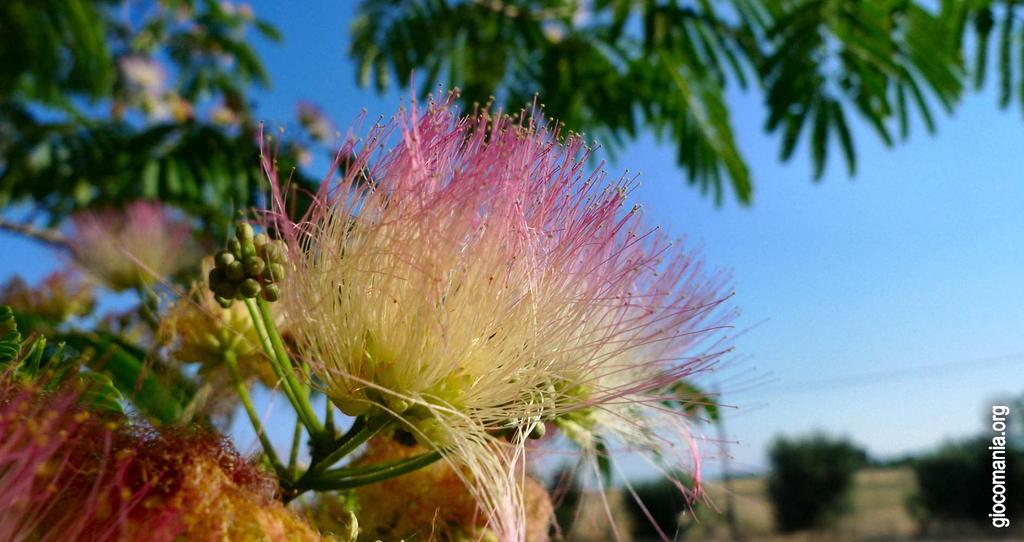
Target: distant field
877, 510
877, 513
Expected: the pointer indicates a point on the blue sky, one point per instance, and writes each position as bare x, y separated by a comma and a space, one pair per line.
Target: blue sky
908, 276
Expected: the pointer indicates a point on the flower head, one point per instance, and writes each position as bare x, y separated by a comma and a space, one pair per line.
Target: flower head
476, 279
312, 119
132, 247
68, 473
143, 74
59, 296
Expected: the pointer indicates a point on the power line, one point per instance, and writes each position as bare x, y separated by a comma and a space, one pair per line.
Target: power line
885, 377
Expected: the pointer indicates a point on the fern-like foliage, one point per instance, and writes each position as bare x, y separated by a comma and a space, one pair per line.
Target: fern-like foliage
34, 360
104, 102
612, 67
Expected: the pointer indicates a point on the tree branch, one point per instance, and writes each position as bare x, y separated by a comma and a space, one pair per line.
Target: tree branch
46, 236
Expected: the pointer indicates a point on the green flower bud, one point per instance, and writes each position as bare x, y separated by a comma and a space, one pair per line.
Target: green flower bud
225, 289
235, 271
253, 267
275, 272
224, 258
271, 252
260, 241
235, 248
215, 277
282, 251
538, 431
271, 292
249, 288
248, 250
244, 232
224, 302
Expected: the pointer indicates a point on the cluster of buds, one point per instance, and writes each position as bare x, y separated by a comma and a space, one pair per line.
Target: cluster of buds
251, 266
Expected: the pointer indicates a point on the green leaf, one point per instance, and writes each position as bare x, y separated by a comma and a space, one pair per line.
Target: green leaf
100, 392
162, 397
983, 23
604, 461
1005, 57
692, 400
10, 339
819, 137
845, 139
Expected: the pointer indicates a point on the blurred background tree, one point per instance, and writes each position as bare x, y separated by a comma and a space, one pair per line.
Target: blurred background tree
955, 486
106, 102
128, 141
810, 480
612, 68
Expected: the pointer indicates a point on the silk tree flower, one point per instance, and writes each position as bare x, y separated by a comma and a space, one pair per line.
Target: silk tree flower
67, 473
312, 119
143, 74
476, 279
132, 247
59, 296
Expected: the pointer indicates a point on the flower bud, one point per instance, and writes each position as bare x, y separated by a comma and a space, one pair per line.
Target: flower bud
271, 293
249, 288
253, 267
260, 241
224, 258
275, 272
235, 271
224, 289
244, 232
216, 276
248, 250
431, 432
235, 248
272, 252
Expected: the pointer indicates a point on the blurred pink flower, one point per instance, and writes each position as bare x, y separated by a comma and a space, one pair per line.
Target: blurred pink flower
143, 74
312, 119
133, 247
59, 477
68, 473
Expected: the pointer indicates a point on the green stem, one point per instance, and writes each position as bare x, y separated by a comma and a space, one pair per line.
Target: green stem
293, 459
279, 361
300, 390
348, 443
329, 418
361, 476
254, 419
361, 431
268, 348
422, 460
